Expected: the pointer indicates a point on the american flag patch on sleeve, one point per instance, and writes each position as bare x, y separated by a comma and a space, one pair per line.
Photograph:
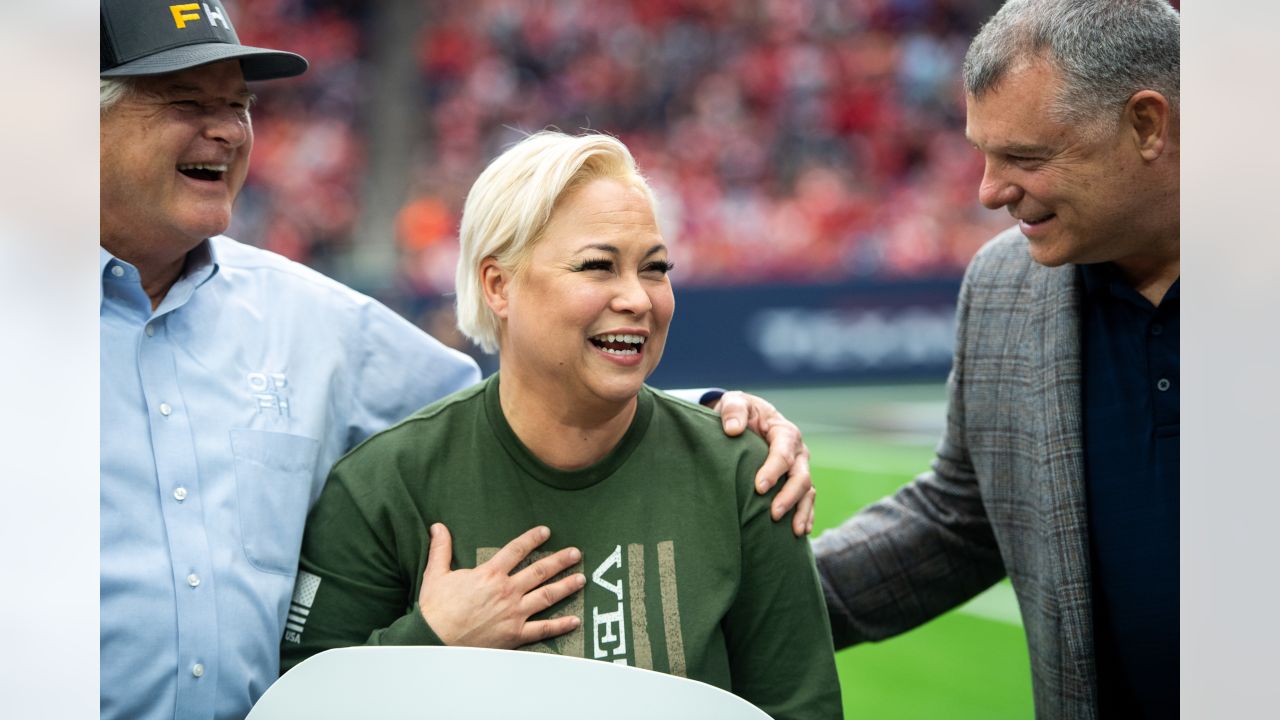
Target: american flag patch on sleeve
304, 594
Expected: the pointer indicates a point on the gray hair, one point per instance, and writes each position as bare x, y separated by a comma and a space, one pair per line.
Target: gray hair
510, 204
1105, 50
112, 90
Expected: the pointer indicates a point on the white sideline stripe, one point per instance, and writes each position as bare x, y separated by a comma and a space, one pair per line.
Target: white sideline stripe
860, 466
295, 607
898, 437
808, 427
293, 626
996, 603
298, 619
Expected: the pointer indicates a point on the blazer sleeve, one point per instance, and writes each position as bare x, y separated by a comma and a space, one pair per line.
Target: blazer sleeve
924, 550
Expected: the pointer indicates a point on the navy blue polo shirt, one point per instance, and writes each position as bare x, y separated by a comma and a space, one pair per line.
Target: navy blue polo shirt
1131, 389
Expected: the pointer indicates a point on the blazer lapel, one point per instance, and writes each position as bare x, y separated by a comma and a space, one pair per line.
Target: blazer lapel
1064, 455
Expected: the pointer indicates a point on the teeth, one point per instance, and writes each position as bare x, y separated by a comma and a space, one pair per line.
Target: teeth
631, 339
214, 167
631, 343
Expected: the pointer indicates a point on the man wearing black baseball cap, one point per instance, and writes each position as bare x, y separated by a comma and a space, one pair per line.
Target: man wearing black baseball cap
232, 379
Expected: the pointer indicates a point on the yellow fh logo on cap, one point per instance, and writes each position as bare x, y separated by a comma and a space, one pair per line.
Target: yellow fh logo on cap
182, 14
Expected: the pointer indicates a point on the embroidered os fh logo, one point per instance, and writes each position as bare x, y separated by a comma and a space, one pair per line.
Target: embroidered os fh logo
269, 392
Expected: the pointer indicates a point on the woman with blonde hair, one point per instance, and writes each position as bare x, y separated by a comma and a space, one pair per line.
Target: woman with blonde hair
677, 566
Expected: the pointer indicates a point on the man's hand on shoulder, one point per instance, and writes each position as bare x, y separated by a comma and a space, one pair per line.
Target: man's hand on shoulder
788, 455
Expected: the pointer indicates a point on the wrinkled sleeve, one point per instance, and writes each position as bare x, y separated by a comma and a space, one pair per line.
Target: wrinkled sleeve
399, 368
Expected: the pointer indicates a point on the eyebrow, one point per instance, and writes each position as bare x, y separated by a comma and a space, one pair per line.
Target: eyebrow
1020, 149
184, 88
613, 249
1012, 148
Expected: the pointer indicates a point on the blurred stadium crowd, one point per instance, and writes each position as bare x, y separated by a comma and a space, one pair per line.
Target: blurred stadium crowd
789, 140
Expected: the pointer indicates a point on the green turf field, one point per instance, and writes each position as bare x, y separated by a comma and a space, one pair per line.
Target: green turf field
970, 663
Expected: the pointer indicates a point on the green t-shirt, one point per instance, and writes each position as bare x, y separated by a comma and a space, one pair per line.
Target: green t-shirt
686, 572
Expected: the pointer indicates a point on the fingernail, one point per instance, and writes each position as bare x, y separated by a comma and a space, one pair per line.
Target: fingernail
777, 511
582, 580
435, 528
574, 554
544, 532
575, 621
762, 485
734, 425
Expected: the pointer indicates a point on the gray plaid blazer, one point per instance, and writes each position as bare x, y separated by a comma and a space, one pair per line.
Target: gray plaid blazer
1006, 492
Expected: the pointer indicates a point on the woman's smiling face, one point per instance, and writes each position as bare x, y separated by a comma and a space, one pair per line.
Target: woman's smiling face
588, 312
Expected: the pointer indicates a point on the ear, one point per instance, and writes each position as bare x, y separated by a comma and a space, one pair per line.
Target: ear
495, 282
1149, 116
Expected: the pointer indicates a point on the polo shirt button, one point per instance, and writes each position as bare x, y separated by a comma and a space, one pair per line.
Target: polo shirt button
165, 410
197, 670
1157, 328
193, 580
180, 494
117, 271
1162, 385
150, 330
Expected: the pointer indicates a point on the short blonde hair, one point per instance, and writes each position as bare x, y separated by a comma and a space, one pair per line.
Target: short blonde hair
510, 204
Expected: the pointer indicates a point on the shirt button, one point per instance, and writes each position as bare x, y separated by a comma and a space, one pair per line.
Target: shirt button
1157, 328
193, 580
180, 494
117, 271
197, 670
165, 410
151, 330
1162, 385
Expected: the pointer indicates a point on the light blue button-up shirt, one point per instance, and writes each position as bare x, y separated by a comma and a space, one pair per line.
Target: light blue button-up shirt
222, 411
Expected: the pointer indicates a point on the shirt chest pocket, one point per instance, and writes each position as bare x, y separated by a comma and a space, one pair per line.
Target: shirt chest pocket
274, 472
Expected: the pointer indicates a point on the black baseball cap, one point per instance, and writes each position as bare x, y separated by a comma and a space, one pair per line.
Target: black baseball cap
152, 37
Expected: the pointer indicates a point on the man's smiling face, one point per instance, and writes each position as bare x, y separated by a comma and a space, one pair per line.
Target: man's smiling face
1071, 188
174, 155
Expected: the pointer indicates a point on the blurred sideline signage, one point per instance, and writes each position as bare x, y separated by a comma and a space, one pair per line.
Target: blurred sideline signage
782, 334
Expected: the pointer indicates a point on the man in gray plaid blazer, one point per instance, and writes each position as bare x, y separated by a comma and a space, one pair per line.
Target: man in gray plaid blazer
1058, 466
